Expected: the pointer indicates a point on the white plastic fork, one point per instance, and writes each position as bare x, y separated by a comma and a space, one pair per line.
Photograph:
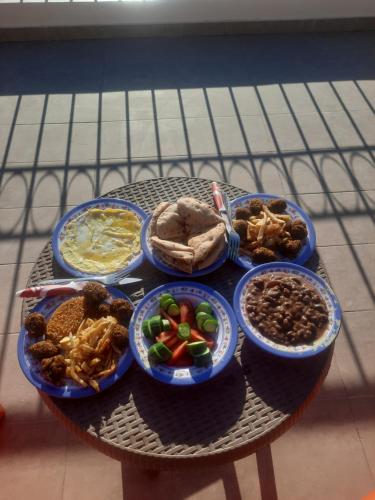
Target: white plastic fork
109, 279
233, 237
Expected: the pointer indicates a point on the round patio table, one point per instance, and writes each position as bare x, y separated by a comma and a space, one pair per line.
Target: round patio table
143, 422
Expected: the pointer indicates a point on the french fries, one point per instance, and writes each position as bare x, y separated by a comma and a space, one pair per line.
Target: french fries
89, 354
264, 228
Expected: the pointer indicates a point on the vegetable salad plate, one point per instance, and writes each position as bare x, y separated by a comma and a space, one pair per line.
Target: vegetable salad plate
99, 237
211, 312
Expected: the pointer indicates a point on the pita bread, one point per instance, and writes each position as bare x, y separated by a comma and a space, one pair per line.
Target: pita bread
155, 215
186, 267
205, 243
170, 224
213, 256
170, 246
196, 214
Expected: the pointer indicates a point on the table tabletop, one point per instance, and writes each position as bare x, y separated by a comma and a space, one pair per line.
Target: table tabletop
253, 401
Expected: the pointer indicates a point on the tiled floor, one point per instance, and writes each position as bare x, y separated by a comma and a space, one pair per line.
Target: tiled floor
292, 115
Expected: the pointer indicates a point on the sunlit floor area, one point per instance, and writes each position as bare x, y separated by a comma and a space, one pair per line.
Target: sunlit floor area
287, 114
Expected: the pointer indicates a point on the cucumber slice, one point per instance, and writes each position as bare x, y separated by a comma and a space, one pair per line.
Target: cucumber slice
154, 355
173, 310
164, 304
197, 348
203, 359
183, 331
210, 325
146, 329
201, 317
203, 307
155, 324
163, 351
165, 325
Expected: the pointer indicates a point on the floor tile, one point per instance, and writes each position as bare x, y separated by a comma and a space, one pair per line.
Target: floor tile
220, 101
179, 168
362, 167
8, 106
31, 109
257, 134
342, 130
113, 106
140, 105
333, 386
113, 140
167, 103
324, 96
211, 169
35, 460
194, 103
368, 88
201, 139
229, 135
13, 277
142, 138
24, 140
299, 98
325, 435
350, 95
172, 137
365, 122
313, 131
246, 100
84, 142
114, 176
5, 131
54, 144
59, 108
273, 99
144, 171
363, 410
285, 132
256, 176
357, 263
86, 107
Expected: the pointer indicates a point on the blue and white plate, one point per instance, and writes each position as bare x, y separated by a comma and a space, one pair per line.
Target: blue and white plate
103, 203
31, 367
225, 338
295, 212
298, 351
157, 261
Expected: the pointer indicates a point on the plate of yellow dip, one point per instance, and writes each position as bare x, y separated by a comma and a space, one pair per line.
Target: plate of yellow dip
101, 236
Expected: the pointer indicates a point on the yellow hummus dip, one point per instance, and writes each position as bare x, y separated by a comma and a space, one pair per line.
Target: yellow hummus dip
101, 240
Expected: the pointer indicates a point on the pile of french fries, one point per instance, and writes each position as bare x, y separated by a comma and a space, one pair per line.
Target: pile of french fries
90, 353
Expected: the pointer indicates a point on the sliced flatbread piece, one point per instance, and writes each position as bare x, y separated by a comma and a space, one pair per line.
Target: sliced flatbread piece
170, 224
214, 255
168, 245
155, 215
196, 214
186, 267
205, 244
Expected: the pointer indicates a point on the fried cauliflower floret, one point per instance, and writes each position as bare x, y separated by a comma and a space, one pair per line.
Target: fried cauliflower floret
277, 206
35, 324
242, 213
240, 226
43, 349
122, 310
94, 294
261, 255
298, 230
120, 336
290, 248
255, 206
54, 369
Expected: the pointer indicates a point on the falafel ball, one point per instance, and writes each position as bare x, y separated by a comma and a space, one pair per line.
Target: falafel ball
240, 226
290, 248
104, 310
94, 294
43, 349
256, 206
242, 213
298, 230
54, 368
35, 324
120, 336
262, 254
277, 206
122, 310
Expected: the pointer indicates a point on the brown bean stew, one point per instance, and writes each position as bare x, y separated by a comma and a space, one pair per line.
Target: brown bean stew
286, 309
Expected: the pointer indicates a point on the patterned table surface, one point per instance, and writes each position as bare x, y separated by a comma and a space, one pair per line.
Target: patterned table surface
253, 401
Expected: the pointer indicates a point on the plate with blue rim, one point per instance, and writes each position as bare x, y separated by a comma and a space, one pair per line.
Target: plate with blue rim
225, 338
295, 212
291, 351
157, 261
103, 203
70, 389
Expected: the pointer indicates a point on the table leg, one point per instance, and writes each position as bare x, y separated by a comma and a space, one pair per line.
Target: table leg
266, 473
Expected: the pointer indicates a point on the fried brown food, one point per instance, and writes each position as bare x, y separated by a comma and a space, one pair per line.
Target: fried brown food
66, 319
35, 324
298, 230
120, 336
277, 206
54, 369
290, 248
104, 310
94, 294
240, 226
261, 255
43, 349
255, 206
242, 213
122, 310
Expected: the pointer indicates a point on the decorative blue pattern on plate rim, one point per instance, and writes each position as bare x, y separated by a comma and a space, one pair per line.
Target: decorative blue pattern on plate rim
299, 351
59, 231
162, 266
31, 366
226, 338
292, 209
